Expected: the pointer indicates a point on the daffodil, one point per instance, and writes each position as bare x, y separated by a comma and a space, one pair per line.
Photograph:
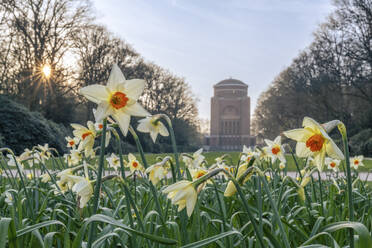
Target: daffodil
84, 189
275, 149
183, 194
313, 140
75, 156
157, 172
86, 136
152, 125
15, 161
282, 166
133, 164
356, 161
332, 164
8, 198
72, 142
117, 99
248, 154
45, 177
195, 160
113, 161
64, 182
231, 189
44, 152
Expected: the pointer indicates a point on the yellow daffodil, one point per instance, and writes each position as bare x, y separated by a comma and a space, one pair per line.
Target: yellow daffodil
356, 161
72, 142
117, 99
133, 164
113, 161
313, 140
86, 135
231, 189
153, 126
183, 194
275, 149
64, 182
29, 176
332, 164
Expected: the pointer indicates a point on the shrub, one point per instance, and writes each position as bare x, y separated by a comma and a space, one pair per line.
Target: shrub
361, 143
21, 128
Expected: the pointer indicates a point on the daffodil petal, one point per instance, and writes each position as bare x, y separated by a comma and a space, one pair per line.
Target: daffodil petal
123, 120
136, 110
95, 93
190, 202
300, 134
153, 135
163, 130
116, 77
302, 151
102, 111
134, 88
333, 151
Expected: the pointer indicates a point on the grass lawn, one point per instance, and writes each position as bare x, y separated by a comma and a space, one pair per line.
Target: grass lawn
234, 157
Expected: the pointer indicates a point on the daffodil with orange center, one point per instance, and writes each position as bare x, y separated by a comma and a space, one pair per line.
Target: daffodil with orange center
275, 149
86, 135
117, 99
133, 164
72, 142
332, 164
313, 140
356, 161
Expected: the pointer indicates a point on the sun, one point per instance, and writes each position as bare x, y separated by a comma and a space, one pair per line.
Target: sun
47, 71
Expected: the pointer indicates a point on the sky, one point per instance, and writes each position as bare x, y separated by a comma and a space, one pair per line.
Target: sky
206, 41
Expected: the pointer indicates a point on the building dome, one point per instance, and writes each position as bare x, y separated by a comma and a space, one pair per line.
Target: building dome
230, 82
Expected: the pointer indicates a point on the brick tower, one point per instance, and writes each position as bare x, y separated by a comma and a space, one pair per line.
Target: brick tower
230, 116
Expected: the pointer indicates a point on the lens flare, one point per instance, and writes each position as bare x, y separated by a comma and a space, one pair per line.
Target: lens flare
46, 71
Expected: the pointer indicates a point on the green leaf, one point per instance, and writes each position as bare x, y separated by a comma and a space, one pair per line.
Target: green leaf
4, 225
37, 226
212, 239
364, 240
112, 221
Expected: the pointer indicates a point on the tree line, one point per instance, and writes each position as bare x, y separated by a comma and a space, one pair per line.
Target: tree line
63, 35
330, 79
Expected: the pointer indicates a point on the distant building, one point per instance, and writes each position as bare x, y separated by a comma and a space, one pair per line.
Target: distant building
230, 117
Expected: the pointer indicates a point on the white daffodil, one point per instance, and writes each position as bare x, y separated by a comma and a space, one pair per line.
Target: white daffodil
44, 152
98, 125
27, 154
15, 161
183, 194
133, 164
152, 125
76, 156
281, 165
45, 177
157, 172
72, 142
196, 160
197, 173
313, 140
275, 149
356, 161
84, 189
86, 137
248, 154
332, 164
117, 99
8, 198
64, 182
113, 161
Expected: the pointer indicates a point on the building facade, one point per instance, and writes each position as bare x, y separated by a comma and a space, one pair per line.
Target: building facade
230, 116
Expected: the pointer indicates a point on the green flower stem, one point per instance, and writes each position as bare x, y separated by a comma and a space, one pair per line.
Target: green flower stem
174, 145
97, 187
321, 193
342, 129
144, 161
